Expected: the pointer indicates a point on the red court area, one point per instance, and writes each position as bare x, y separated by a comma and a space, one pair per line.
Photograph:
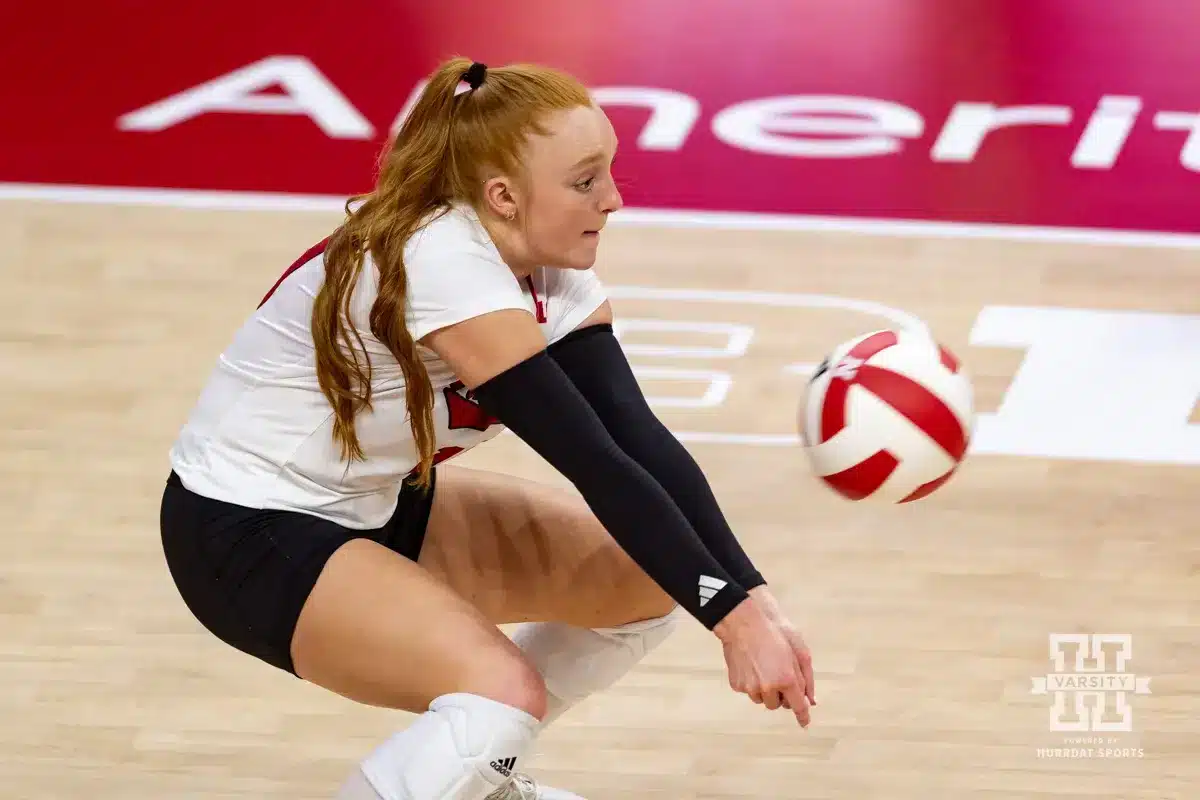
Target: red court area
1068, 113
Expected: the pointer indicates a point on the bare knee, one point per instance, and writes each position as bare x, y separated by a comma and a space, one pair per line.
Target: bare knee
608, 591
636, 597
661, 605
507, 677
653, 601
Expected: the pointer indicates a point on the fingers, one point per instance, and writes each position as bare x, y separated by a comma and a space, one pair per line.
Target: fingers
804, 667
798, 703
804, 663
806, 672
780, 677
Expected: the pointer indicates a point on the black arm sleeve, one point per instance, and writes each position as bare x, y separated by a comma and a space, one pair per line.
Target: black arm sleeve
596, 364
538, 403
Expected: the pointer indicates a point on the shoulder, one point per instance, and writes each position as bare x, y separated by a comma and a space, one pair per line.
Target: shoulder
446, 236
452, 252
453, 272
573, 297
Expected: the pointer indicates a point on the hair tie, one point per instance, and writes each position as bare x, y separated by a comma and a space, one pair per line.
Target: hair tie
474, 75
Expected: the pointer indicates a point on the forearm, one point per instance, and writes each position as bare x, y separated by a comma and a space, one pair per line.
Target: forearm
595, 363
648, 442
538, 402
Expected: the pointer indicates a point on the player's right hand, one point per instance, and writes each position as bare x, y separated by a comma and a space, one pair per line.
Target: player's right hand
761, 661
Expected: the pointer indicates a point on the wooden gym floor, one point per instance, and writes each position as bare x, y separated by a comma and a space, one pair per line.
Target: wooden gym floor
927, 623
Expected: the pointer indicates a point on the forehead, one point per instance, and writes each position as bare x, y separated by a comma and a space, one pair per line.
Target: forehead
572, 135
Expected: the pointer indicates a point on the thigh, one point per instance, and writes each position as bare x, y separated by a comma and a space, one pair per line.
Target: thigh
522, 551
378, 629
343, 612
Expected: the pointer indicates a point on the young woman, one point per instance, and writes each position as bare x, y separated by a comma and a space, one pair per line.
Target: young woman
304, 521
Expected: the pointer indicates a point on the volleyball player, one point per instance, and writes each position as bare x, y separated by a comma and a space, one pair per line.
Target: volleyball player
306, 524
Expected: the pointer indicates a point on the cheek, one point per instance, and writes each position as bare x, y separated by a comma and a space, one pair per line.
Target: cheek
558, 226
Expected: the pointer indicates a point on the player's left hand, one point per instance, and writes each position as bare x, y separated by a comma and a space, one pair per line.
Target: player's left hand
792, 635
803, 657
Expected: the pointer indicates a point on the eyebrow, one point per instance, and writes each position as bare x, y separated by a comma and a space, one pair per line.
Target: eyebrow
595, 157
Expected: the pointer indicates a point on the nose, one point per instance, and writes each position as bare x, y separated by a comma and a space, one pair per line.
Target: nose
612, 200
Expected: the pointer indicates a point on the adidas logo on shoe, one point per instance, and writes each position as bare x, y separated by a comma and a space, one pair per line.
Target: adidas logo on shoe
504, 766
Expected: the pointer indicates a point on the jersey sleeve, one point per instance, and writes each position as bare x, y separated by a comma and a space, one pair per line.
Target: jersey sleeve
452, 277
574, 295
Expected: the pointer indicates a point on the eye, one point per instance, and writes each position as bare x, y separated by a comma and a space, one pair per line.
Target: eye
585, 184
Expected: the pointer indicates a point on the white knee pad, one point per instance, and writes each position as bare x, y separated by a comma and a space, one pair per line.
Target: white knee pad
578, 662
461, 749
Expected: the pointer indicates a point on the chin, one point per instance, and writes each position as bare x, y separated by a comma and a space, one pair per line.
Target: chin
581, 256
584, 261
579, 259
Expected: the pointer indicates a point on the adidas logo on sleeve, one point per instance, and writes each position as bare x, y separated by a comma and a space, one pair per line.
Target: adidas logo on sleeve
709, 586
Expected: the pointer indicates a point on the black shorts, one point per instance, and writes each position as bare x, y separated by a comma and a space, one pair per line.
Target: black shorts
246, 573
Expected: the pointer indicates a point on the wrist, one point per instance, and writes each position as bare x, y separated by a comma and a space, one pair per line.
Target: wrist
766, 601
771, 609
746, 616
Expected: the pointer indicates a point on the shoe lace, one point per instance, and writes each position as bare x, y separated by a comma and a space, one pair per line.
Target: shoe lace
519, 787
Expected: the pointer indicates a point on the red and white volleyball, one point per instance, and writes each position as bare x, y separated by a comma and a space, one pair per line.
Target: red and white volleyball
887, 416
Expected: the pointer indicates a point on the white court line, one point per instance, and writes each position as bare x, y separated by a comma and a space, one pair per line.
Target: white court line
779, 299
759, 439
172, 198
673, 218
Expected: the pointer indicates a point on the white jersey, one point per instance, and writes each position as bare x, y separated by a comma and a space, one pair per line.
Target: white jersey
261, 433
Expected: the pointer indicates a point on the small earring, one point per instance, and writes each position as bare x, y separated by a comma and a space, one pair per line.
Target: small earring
510, 215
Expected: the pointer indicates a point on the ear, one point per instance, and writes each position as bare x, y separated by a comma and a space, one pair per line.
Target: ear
498, 197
